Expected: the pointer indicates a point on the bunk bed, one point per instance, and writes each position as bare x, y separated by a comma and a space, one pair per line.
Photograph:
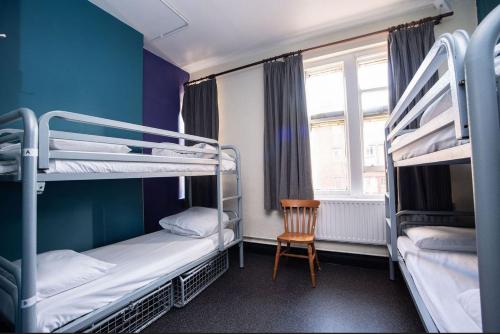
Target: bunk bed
464, 99
139, 289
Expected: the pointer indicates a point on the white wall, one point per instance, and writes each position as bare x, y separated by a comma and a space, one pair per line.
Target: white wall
241, 108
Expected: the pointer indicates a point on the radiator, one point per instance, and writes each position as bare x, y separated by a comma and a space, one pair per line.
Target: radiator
357, 221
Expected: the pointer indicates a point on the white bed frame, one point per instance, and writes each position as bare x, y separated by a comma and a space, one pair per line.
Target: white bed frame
20, 285
475, 98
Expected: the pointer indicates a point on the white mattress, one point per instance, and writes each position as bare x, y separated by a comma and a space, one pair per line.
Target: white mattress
87, 166
84, 166
440, 277
139, 261
436, 141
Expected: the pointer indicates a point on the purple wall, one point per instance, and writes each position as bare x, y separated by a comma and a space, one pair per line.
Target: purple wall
162, 86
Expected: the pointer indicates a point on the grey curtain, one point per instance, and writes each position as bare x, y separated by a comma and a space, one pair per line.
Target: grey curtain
200, 112
426, 187
287, 156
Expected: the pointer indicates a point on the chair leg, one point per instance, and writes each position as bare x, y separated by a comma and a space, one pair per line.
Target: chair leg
316, 257
311, 265
288, 249
276, 260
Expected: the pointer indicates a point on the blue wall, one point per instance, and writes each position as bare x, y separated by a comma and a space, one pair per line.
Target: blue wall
163, 84
71, 55
484, 7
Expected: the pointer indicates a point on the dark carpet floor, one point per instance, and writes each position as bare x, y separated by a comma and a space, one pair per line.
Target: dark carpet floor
346, 299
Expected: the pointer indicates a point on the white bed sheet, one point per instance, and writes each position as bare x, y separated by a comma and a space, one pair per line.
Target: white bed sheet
139, 261
436, 141
87, 166
440, 277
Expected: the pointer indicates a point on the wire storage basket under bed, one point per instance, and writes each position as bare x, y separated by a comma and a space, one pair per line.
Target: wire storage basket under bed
139, 314
188, 285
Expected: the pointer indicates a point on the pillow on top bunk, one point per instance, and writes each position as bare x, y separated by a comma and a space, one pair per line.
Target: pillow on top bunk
439, 106
446, 238
87, 146
62, 270
171, 152
70, 145
204, 146
196, 222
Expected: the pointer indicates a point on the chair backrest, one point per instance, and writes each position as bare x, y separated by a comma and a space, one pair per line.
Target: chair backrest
299, 216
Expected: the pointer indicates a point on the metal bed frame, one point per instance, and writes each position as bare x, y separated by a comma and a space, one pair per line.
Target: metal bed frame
475, 88
20, 284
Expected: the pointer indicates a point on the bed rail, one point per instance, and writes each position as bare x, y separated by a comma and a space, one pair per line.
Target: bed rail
46, 134
25, 312
238, 198
35, 138
484, 116
449, 48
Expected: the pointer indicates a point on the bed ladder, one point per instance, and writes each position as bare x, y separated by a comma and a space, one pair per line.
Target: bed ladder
238, 212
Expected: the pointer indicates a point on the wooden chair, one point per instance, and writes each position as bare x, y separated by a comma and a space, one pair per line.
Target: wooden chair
299, 217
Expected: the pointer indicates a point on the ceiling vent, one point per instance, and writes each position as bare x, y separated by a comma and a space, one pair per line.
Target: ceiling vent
155, 19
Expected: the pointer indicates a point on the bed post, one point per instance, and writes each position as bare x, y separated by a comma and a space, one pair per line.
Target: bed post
188, 180
240, 206
27, 301
484, 121
390, 199
220, 208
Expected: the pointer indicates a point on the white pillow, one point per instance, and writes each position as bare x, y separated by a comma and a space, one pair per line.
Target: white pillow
62, 270
445, 238
197, 222
71, 145
171, 152
224, 155
436, 108
87, 146
471, 303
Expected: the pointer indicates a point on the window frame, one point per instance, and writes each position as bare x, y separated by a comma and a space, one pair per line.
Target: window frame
353, 117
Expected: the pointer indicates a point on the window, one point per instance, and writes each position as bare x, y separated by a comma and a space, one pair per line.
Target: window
347, 101
374, 99
326, 106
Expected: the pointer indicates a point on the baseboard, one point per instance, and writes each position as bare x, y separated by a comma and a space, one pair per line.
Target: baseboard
358, 260
335, 246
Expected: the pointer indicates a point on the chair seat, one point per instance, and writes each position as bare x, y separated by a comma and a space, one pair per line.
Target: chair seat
296, 237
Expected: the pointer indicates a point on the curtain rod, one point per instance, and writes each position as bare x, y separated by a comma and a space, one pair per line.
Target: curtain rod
436, 19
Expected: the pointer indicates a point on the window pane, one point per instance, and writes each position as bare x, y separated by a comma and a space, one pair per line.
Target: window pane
373, 154
372, 74
325, 92
328, 155
375, 102
373, 183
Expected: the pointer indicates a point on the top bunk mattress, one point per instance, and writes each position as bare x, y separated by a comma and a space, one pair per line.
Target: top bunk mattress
139, 261
119, 161
93, 166
438, 140
441, 277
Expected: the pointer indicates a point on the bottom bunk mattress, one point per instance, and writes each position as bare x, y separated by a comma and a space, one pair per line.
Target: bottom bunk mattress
139, 261
443, 279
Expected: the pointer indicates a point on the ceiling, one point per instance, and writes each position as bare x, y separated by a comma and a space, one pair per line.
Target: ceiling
197, 34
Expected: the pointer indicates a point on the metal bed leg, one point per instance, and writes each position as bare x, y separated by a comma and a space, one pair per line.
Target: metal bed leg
484, 120
220, 203
242, 259
392, 273
27, 300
